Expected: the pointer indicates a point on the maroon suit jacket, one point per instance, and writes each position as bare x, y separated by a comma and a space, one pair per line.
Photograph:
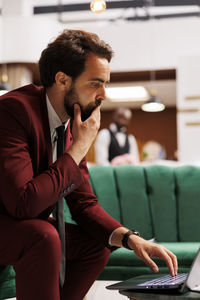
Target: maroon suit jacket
30, 184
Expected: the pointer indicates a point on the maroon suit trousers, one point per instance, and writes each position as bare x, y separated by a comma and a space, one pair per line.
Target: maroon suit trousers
33, 248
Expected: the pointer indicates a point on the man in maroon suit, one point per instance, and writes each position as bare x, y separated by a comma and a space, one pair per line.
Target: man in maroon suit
74, 70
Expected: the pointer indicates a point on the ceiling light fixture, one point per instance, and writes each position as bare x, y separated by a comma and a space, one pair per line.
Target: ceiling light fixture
98, 6
153, 104
4, 87
126, 93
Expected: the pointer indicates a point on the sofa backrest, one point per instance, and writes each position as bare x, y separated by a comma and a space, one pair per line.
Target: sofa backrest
104, 186
161, 191
188, 203
158, 201
121, 192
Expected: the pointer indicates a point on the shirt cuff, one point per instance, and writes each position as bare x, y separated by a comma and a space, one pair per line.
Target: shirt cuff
110, 237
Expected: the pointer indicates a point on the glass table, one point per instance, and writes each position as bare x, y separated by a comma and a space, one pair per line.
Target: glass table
135, 295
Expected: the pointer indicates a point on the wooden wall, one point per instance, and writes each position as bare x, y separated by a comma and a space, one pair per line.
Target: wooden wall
145, 126
159, 127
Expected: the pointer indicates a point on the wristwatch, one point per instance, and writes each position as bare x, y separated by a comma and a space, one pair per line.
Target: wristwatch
126, 236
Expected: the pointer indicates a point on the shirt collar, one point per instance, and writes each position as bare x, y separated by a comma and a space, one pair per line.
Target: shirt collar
54, 120
113, 128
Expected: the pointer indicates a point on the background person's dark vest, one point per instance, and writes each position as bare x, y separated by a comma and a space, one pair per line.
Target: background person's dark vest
115, 149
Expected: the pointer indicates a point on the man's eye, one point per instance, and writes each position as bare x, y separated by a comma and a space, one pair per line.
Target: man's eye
95, 84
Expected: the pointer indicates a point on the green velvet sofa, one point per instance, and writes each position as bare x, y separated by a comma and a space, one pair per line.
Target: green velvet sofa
162, 203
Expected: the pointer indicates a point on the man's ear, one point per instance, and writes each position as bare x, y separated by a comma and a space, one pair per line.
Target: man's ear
63, 81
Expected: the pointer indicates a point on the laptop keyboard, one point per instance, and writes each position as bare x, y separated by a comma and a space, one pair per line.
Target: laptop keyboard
165, 280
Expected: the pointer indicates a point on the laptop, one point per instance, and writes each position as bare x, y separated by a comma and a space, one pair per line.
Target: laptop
160, 282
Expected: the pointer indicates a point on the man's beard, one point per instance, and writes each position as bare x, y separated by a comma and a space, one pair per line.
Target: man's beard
70, 99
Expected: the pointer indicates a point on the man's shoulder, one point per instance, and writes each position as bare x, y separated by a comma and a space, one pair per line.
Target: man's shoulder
131, 137
24, 92
27, 95
103, 138
24, 104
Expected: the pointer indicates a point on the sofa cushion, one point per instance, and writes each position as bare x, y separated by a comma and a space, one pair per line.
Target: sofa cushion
161, 192
102, 180
133, 199
188, 202
7, 282
185, 253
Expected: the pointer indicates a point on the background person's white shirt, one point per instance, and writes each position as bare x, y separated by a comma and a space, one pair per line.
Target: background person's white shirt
103, 142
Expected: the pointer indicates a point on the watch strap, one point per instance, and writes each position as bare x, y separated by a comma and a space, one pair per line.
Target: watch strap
126, 236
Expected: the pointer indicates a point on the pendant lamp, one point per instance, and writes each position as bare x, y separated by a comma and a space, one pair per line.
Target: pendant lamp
153, 104
4, 86
98, 6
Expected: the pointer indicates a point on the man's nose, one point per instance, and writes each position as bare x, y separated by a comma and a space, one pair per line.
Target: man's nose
103, 93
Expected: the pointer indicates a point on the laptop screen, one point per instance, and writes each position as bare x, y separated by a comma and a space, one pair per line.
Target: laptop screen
193, 279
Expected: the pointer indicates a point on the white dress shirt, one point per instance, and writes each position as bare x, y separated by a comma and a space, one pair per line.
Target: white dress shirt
54, 122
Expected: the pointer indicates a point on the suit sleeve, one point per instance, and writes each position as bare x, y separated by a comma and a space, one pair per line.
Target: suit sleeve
23, 193
87, 212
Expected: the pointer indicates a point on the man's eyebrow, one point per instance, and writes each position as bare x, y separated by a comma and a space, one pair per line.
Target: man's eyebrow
100, 80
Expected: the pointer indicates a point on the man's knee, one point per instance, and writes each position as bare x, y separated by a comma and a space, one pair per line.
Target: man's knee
100, 256
104, 256
45, 235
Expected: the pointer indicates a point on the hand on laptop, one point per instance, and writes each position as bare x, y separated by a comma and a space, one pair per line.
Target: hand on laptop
146, 250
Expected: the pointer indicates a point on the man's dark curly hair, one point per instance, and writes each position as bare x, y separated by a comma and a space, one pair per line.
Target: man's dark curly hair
68, 52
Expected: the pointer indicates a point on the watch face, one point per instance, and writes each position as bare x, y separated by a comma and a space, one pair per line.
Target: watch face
135, 232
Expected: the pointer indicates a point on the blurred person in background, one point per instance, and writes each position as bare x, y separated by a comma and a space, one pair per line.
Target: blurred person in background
114, 145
